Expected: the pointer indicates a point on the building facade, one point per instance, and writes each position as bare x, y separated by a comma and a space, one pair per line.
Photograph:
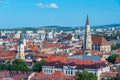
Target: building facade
70, 69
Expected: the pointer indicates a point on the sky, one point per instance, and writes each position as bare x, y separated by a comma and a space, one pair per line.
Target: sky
36, 13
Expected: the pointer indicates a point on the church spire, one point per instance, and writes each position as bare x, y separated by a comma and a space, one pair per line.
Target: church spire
87, 39
87, 20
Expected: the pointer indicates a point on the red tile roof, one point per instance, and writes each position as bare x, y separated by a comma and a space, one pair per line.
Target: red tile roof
109, 74
58, 73
54, 45
66, 47
21, 76
4, 74
99, 40
69, 60
117, 60
7, 54
68, 37
46, 42
54, 76
118, 50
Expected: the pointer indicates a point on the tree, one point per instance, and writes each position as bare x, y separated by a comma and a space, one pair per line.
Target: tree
114, 47
19, 65
86, 76
38, 66
113, 57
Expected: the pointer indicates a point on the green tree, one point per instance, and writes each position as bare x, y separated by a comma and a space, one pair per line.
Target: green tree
37, 67
86, 76
114, 47
113, 57
19, 65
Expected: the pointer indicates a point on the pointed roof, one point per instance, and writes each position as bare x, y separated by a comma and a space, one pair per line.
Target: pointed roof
87, 20
99, 40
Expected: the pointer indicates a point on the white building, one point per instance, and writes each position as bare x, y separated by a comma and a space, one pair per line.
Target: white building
70, 69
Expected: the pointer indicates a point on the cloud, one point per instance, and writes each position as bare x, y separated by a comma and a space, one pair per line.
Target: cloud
52, 5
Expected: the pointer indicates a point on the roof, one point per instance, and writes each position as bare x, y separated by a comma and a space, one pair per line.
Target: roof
58, 73
118, 50
46, 42
68, 37
109, 74
58, 64
87, 57
99, 40
54, 58
54, 45
87, 20
117, 60
4, 74
70, 60
7, 54
55, 76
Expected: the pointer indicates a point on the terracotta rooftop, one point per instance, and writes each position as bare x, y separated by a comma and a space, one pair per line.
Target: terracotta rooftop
68, 37
54, 45
54, 76
7, 54
99, 40
69, 60
58, 73
118, 50
117, 60
109, 74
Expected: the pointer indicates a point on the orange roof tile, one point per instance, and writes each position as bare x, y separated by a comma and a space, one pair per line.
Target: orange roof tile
99, 40
69, 60
118, 50
109, 74
117, 60
4, 54
58, 73
54, 45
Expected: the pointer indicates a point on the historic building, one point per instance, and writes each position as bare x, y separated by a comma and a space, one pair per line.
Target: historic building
22, 42
99, 43
95, 42
87, 39
70, 69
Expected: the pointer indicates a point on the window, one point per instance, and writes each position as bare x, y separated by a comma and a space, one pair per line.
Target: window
51, 71
66, 72
71, 72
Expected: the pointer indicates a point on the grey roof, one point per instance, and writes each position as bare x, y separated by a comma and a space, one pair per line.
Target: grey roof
98, 58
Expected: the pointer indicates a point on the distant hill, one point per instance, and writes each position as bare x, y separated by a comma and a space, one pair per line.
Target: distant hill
58, 28
106, 26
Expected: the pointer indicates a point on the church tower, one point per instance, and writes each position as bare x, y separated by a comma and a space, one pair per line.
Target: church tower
87, 40
20, 54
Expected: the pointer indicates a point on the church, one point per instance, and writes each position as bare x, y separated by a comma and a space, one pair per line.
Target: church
94, 42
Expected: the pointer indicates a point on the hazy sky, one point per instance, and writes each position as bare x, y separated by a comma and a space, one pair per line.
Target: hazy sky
21, 13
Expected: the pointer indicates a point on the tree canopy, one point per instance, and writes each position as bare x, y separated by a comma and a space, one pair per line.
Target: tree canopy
114, 47
17, 65
38, 66
86, 76
113, 57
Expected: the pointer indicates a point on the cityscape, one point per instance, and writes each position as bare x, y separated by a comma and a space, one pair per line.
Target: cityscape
50, 44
